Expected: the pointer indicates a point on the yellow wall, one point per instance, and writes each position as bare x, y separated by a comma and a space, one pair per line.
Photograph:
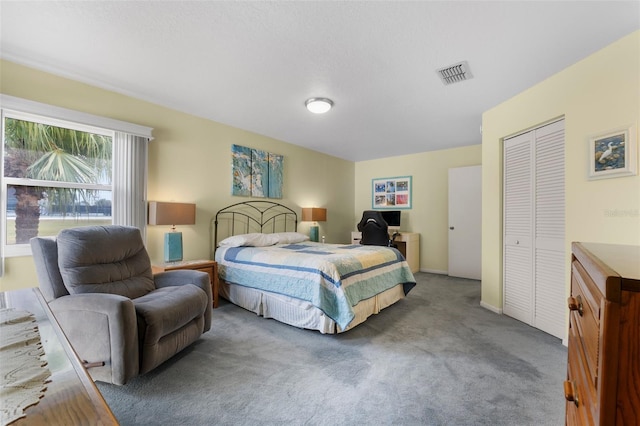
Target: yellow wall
429, 213
599, 93
190, 161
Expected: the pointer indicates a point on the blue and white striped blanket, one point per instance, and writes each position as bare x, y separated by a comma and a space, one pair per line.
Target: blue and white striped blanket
332, 277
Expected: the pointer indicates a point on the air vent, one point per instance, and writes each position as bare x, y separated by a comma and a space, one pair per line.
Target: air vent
455, 73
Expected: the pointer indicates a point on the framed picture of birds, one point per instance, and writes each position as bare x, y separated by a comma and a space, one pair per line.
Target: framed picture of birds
614, 153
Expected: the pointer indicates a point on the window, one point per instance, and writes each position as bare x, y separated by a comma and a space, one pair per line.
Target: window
71, 170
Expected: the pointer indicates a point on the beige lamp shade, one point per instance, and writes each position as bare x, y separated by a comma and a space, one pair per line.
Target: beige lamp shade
162, 213
314, 214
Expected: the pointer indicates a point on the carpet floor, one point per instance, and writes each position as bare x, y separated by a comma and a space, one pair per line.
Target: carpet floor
434, 358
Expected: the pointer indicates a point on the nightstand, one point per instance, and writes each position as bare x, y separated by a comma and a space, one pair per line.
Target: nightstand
208, 266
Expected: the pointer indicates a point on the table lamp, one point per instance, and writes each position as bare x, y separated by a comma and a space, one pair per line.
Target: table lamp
162, 213
314, 214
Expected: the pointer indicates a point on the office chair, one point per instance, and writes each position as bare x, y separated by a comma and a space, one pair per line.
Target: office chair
374, 229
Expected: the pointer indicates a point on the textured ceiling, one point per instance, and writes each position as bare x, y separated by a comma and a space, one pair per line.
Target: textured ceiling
253, 64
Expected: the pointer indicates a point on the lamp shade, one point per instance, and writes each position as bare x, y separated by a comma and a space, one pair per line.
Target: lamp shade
161, 213
314, 214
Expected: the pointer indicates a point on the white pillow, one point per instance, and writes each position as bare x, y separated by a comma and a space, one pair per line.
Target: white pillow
290, 237
252, 240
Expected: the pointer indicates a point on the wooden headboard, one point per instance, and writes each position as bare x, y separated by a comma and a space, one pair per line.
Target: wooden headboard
261, 216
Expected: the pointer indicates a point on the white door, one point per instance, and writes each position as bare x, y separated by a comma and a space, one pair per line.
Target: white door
534, 222
549, 259
465, 222
518, 225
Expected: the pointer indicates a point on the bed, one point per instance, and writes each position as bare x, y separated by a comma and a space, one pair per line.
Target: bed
267, 267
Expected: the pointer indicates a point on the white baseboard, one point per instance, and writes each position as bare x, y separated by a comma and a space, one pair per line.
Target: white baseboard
435, 271
491, 307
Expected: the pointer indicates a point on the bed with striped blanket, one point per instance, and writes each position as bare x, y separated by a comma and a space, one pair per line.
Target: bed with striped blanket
332, 278
267, 267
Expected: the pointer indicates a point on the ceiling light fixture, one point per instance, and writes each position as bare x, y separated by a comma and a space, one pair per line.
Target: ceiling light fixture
319, 105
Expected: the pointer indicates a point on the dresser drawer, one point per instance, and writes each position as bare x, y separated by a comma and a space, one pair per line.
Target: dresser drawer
590, 290
586, 320
580, 410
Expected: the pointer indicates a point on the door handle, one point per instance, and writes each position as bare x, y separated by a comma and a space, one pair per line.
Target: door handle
451, 227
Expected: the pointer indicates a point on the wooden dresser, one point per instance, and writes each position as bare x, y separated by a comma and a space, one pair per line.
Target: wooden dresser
603, 370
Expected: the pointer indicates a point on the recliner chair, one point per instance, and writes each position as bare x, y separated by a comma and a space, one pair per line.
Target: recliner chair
375, 230
121, 319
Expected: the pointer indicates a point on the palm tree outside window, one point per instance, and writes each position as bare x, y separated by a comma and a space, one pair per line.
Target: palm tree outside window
56, 177
61, 168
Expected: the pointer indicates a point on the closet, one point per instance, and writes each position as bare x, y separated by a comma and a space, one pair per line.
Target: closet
534, 222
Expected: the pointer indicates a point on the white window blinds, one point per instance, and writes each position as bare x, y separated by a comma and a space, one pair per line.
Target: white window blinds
130, 180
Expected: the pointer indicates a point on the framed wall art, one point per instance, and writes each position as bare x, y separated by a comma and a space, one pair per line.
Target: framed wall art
613, 154
256, 173
241, 170
391, 193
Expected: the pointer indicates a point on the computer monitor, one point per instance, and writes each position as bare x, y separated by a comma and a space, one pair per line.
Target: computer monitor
392, 217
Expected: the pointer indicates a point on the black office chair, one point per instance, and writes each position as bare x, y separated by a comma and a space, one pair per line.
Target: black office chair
374, 229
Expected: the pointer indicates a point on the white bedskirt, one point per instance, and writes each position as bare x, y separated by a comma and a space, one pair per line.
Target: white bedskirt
300, 313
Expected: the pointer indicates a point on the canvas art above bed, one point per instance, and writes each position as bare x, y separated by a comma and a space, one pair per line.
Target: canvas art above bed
277, 273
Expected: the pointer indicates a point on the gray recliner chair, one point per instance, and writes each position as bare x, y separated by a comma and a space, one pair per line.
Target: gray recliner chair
120, 318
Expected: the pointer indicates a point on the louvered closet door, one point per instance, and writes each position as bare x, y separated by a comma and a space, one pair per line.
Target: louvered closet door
518, 218
549, 227
534, 290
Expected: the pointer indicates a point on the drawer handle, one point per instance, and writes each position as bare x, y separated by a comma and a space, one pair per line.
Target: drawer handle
575, 304
570, 393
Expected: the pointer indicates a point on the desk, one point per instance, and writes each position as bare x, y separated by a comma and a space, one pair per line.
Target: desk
408, 244
71, 397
